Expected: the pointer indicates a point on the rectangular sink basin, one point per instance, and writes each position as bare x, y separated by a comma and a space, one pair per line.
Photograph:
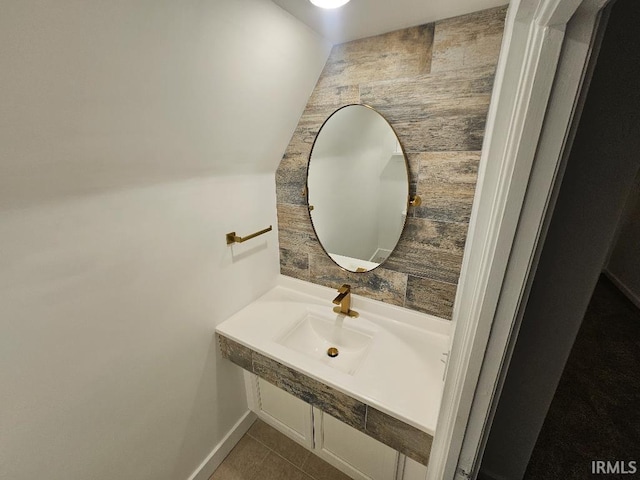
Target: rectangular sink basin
314, 335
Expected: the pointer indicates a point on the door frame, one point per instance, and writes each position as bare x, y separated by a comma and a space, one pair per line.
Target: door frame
529, 129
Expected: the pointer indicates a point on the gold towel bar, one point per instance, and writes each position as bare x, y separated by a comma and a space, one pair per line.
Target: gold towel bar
233, 238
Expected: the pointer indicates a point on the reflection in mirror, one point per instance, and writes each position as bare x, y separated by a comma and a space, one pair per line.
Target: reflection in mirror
357, 187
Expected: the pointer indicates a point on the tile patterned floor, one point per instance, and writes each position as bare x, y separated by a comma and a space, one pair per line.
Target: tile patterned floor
266, 454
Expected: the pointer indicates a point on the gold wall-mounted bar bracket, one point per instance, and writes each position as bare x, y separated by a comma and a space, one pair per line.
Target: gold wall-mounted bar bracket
233, 238
415, 201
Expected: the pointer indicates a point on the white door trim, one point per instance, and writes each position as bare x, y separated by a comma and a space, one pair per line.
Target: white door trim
564, 107
533, 38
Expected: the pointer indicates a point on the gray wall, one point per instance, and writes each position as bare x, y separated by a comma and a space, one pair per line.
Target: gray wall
600, 172
623, 267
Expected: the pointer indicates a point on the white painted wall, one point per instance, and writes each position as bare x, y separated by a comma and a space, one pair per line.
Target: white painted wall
392, 200
365, 19
133, 136
108, 305
342, 183
101, 95
623, 266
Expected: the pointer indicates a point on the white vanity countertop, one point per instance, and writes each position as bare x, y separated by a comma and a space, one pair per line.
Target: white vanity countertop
402, 371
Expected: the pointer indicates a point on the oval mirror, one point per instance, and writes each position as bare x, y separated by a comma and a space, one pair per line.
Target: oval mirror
357, 188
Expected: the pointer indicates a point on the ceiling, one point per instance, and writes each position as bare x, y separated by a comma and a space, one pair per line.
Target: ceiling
364, 18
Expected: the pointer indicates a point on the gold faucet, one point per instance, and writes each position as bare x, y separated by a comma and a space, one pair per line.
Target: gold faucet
344, 300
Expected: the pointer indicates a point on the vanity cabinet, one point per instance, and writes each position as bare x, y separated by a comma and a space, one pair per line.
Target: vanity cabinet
349, 450
281, 410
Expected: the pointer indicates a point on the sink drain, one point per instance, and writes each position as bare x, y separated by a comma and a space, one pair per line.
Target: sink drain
332, 352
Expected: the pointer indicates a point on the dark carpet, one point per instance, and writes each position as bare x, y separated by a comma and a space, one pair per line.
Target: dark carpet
595, 413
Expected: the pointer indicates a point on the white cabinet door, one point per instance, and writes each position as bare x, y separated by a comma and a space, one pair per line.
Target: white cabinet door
413, 470
281, 410
351, 451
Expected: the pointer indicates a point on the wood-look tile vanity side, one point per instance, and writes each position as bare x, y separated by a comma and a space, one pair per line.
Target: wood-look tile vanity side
433, 83
388, 430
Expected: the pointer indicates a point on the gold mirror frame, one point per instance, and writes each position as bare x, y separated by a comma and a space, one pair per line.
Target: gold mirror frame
408, 200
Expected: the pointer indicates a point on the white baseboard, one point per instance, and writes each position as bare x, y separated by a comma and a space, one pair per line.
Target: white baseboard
222, 449
630, 294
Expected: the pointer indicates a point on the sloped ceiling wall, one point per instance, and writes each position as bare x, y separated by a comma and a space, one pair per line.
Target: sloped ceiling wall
359, 19
104, 95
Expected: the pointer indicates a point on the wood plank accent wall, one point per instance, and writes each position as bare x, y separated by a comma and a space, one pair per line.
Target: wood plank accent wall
433, 83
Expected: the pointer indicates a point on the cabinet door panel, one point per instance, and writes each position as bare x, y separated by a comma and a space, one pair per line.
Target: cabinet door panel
281, 410
284, 407
351, 451
414, 470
